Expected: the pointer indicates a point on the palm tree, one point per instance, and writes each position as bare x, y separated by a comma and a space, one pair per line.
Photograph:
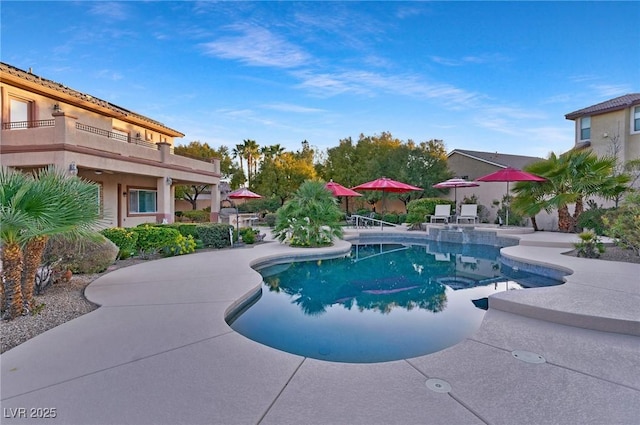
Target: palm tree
252, 155
310, 218
571, 178
238, 153
34, 208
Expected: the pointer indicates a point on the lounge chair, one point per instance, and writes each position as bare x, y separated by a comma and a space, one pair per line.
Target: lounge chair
443, 212
468, 212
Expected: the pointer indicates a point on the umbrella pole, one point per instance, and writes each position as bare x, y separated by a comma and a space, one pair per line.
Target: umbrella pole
508, 204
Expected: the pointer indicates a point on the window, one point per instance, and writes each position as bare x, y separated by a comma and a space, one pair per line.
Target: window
585, 128
19, 111
635, 124
142, 201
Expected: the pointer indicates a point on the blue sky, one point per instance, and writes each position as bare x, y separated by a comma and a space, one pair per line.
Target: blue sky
489, 76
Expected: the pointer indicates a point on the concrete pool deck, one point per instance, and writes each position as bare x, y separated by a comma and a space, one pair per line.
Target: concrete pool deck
158, 351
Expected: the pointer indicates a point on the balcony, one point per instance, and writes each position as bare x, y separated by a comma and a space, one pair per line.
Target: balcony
64, 133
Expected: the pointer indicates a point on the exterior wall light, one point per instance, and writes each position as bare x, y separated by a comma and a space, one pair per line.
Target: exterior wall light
73, 169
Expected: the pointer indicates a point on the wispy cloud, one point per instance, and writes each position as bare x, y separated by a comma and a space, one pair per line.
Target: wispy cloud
470, 59
372, 84
109, 10
610, 90
287, 107
257, 46
108, 74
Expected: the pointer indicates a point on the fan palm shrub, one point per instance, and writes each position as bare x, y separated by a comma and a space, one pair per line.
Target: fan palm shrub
310, 218
32, 208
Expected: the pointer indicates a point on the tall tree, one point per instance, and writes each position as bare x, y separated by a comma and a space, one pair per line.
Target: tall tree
252, 156
280, 175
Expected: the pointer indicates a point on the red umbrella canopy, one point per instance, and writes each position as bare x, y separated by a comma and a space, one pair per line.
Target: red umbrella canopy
339, 190
243, 193
386, 185
510, 175
454, 183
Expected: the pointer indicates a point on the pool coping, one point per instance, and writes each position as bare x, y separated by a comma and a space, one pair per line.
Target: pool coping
141, 355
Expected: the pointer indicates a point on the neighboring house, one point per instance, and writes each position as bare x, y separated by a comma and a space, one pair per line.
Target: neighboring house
130, 156
470, 165
610, 128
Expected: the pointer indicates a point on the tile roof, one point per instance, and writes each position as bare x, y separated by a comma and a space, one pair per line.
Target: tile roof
499, 159
615, 104
29, 76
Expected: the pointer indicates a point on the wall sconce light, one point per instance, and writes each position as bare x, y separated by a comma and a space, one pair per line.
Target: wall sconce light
73, 169
137, 135
56, 108
169, 181
124, 193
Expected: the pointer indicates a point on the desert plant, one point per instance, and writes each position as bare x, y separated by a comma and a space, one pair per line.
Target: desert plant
592, 219
310, 218
33, 208
623, 224
589, 246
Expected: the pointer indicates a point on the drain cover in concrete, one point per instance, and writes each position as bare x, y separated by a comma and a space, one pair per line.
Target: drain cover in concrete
528, 356
438, 385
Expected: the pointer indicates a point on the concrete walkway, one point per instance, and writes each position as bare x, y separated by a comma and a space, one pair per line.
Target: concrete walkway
158, 351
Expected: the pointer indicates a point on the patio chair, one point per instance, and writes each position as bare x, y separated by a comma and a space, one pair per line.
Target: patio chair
468, 212
442, 212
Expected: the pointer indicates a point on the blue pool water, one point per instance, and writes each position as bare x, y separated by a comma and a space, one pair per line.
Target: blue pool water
383, 302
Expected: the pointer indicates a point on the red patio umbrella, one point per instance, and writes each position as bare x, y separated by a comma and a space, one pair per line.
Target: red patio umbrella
242, 193
510, 174
385, 184
339, 190
455, 184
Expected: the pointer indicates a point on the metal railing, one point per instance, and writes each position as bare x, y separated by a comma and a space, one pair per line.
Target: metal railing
116, 136
18, 125
362, 221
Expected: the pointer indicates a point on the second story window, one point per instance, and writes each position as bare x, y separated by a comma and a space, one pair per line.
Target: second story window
636, 119
585, 128
19, 111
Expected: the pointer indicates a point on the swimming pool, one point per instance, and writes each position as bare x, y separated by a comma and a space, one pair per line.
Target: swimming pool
382, 302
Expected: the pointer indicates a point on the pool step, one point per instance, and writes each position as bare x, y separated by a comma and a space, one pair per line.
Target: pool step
573, 305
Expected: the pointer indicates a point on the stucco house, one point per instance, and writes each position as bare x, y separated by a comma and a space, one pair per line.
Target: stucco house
473, 164
129, 155
610, 128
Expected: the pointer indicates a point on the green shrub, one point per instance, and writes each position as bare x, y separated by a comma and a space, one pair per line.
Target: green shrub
125, 240
185, 229
260, 205
198, 216
589, 246
402, 218
154, 239
82, 256
592, 219
183, 245
419, 209
390, 218
623, 224
215, 235
248, 235
270, 218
